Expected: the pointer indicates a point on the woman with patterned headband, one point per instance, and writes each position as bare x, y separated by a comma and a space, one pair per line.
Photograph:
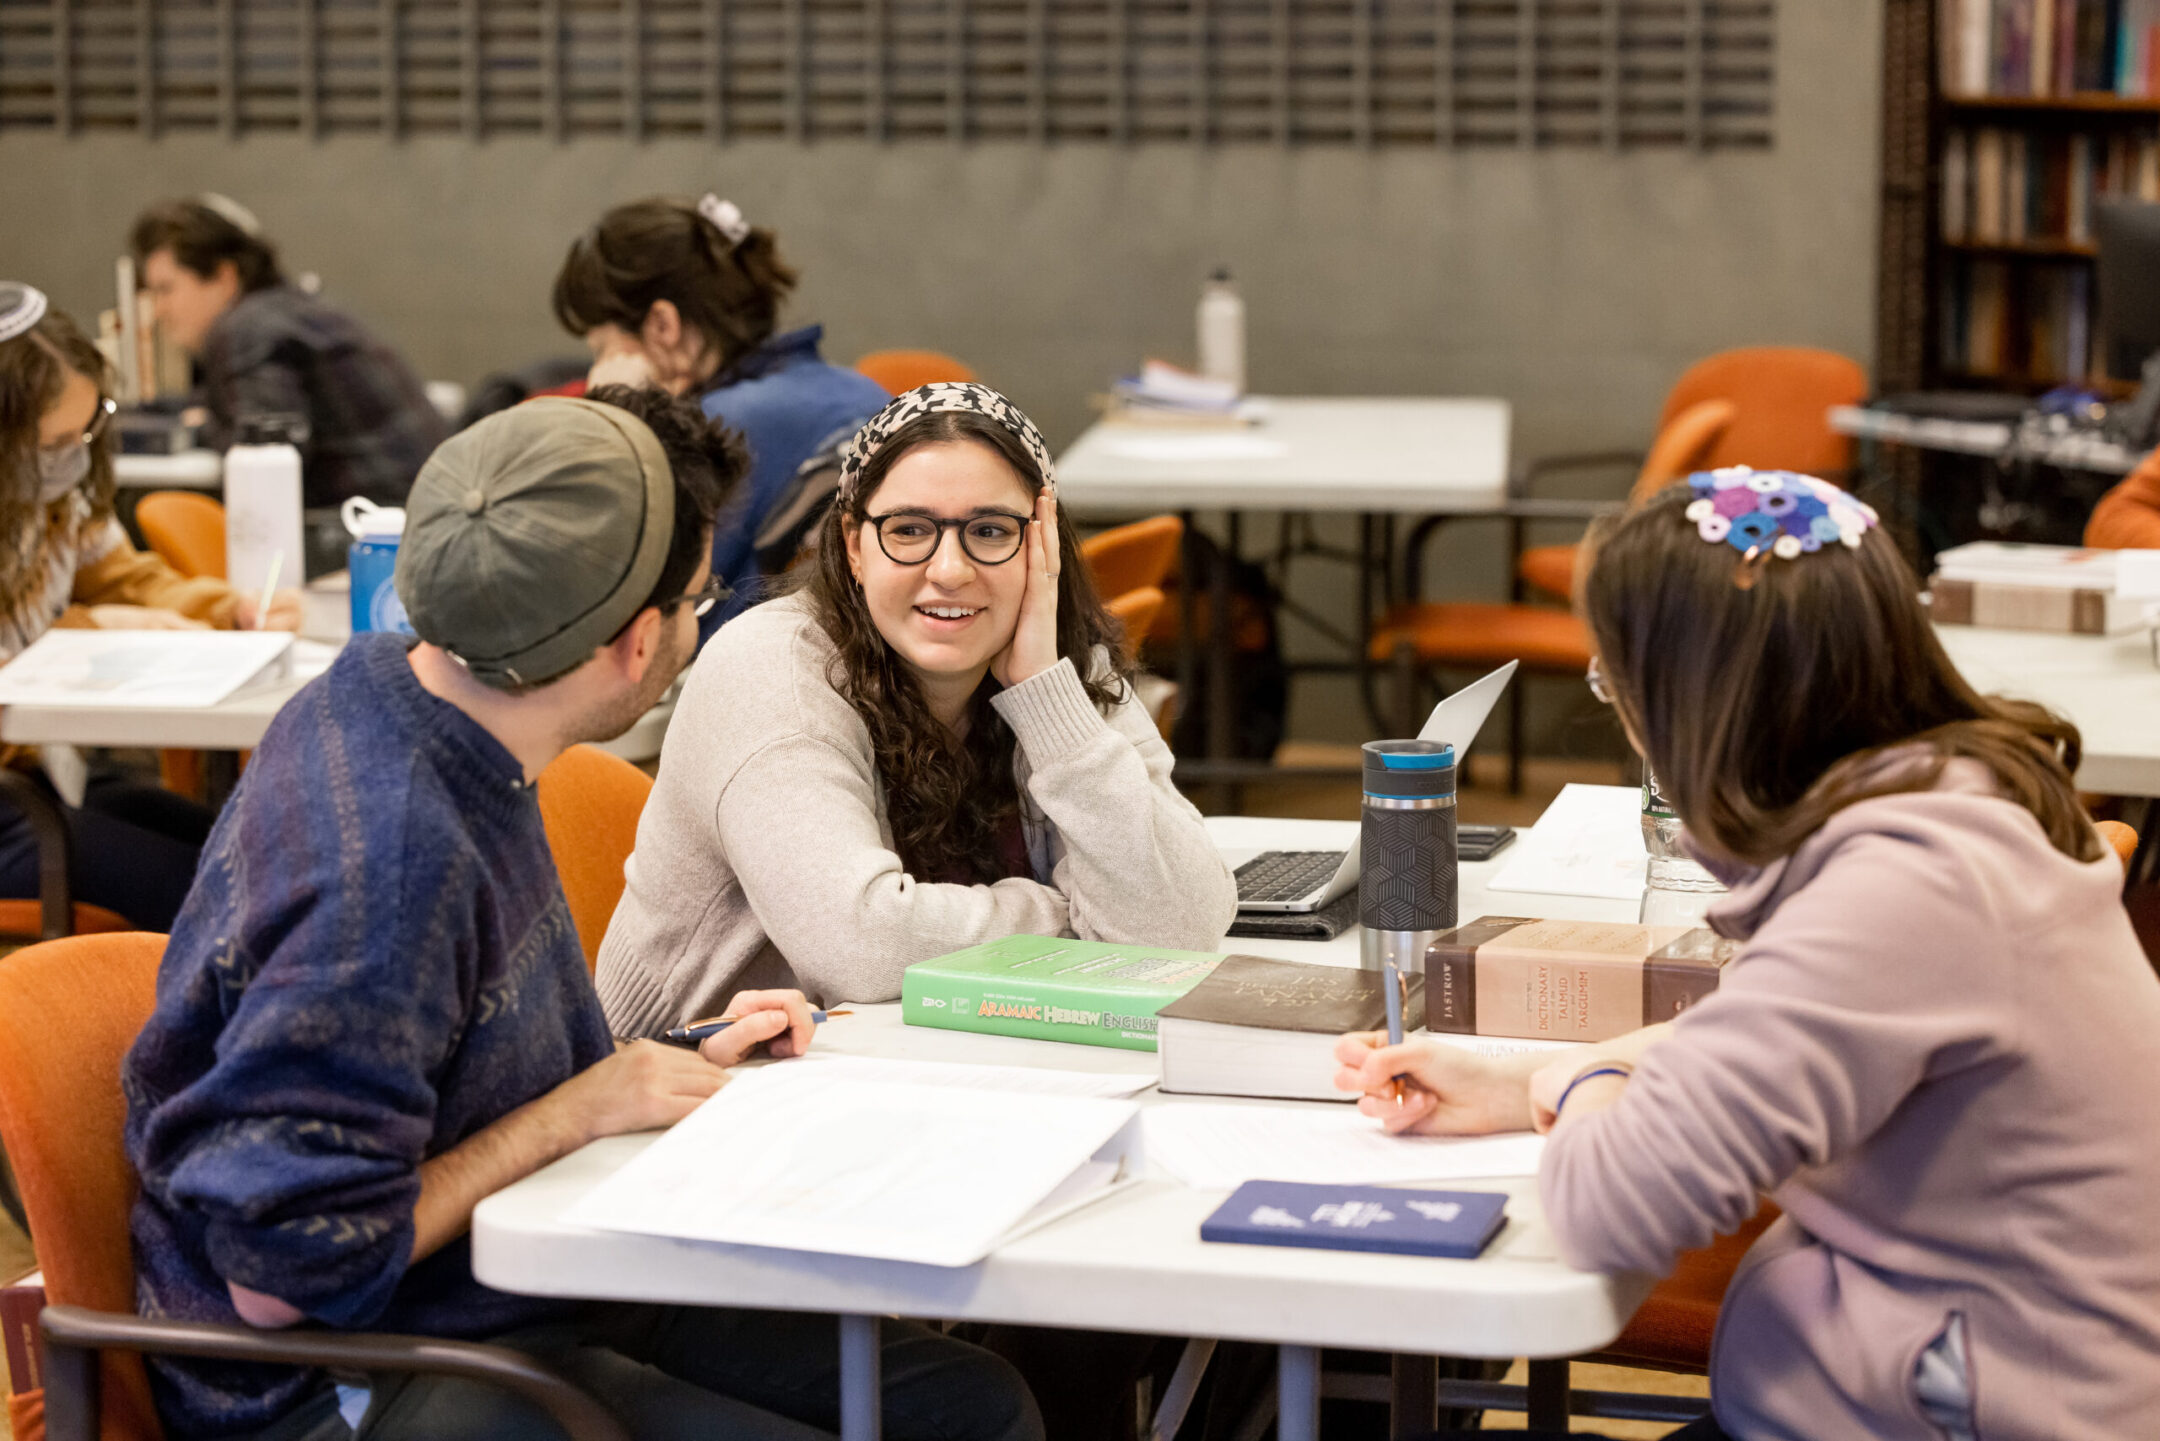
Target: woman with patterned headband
1935, 1042
687, 297
933, 742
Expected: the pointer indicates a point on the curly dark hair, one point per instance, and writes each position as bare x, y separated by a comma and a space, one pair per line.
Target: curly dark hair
948, 796
33, 367
203, 238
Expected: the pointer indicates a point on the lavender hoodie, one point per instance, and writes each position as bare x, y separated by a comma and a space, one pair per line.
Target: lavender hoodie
1938, 1050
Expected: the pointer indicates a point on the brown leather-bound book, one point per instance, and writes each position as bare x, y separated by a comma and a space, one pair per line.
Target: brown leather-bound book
1566, 980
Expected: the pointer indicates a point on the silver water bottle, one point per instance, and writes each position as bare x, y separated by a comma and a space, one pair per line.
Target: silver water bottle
1406, 875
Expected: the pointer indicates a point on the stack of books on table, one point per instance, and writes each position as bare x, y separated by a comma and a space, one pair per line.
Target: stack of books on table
1164, 394
2065, 589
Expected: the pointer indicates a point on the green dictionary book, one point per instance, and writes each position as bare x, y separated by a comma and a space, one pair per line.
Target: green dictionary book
1048, 988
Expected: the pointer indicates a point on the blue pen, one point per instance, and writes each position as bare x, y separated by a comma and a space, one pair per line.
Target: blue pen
697, 1031
1392, 983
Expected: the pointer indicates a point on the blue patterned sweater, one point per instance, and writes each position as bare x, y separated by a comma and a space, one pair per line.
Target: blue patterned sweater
376, 962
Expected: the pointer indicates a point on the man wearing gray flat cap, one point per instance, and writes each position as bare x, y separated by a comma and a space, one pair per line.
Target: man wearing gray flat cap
374, 1010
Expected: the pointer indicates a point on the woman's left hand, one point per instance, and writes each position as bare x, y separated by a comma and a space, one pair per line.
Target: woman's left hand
1033, 648
284, 612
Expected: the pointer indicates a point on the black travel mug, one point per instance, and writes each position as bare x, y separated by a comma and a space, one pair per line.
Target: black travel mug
1406, 874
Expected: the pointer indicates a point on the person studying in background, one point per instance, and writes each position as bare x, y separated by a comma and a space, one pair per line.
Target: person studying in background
374, 1011
931, 743
65, 561
2128, 516
263, 346
687, 297
1934, 1047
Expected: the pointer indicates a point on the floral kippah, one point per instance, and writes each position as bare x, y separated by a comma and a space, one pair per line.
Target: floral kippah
1775, 512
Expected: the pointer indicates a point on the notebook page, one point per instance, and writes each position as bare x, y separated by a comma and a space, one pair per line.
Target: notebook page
1027, 1079
1588, 843
1219, 1148
801, 1157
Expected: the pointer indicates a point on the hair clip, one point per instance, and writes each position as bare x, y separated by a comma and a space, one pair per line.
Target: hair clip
726, 217
1779, 514
21, 307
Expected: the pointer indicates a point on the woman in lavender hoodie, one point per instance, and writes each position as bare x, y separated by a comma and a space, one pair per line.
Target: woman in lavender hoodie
1936, 1047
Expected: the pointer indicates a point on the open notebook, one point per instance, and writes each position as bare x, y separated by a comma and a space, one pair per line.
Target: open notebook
863, 1158
144, 668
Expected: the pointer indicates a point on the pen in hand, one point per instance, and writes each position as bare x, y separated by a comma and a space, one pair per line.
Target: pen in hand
697, 1031
269, 590
1397, 991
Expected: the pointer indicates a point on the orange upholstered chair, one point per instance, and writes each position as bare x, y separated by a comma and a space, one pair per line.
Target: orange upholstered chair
1783, 395
2120, 838
69, 1010
902, 370
1683, 446
1127, 557
186, 530
1136, 610
590, 802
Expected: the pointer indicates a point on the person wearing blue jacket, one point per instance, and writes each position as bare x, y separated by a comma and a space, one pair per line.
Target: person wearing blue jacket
686, 296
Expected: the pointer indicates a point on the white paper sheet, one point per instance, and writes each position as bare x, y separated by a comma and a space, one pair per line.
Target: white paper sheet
1588, 843
1179, 446
143, 668
800, 1156
1219, 1148
874, 1070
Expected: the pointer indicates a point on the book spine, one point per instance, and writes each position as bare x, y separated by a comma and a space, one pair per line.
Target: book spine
1035, 1010
1950, 602
20, 1304
1451, 974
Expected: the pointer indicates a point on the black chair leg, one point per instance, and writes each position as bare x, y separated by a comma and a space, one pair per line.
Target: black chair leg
48, 825
1515, 736
1406, 691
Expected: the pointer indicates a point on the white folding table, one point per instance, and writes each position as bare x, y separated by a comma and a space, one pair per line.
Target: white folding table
2108, 685
1131, 1262
188, 470
238, 724
1379, 457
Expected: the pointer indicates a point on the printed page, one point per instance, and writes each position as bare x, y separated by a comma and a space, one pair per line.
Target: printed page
877, 1071
141, 668
803, 1157
1219, 1148
1588, 843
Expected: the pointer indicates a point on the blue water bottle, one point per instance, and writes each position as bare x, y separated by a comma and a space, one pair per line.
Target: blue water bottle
372, 564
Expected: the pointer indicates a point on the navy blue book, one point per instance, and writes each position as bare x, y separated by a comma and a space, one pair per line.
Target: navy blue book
1359, 1218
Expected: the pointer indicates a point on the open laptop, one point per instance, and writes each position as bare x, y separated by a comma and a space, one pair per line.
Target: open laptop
1299, 881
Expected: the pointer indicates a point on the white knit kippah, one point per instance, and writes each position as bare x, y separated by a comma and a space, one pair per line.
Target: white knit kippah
21, 306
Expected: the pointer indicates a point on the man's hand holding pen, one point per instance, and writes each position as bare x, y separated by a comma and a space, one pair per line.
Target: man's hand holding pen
1450, 1091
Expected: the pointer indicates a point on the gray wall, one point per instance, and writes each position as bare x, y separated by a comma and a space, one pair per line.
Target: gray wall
1576, 284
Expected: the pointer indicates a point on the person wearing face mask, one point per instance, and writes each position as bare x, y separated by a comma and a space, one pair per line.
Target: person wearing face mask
687, 297
65, 561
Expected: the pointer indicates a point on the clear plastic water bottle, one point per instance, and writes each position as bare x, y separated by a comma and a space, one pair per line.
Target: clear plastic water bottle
1676, 889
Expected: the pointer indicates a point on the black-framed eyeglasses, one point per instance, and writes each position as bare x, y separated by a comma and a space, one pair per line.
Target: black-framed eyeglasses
909, 537
703, 599
100, 422
1596, 677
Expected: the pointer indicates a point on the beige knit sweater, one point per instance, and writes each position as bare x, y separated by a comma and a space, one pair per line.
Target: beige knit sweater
765, 858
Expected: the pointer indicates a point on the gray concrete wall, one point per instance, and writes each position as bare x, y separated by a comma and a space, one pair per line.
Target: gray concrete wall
1576, 284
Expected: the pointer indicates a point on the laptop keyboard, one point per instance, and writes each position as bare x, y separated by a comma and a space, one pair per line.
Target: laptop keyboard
1285, 875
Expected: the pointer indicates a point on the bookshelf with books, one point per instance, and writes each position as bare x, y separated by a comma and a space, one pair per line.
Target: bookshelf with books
2038, 109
